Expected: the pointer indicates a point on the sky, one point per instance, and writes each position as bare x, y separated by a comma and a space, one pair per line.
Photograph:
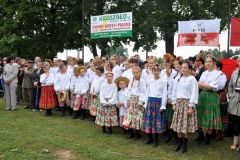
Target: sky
185, 52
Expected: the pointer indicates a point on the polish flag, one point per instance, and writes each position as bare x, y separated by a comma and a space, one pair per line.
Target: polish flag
199, 33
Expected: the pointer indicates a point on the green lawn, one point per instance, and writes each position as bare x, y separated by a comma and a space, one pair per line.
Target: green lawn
29, 135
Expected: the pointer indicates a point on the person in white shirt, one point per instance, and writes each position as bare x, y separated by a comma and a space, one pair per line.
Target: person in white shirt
156, 100
48, 97
82, 87
208, 108
95, 90
73, 85
117, 70
184, 100
128, 72
122, 83
61, 86
147, 74
107, 112
136, 97
91, 73
71, 64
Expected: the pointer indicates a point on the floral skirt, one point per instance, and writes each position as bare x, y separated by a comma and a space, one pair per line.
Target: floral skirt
94, 105
209, 116
47, 98
182, 122
134, 117
154, 120
81, 102
73, 99
107, 116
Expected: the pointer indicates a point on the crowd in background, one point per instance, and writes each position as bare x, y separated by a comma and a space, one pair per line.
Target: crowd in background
176, 98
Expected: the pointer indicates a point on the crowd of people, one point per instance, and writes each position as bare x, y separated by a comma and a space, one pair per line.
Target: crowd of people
177, 97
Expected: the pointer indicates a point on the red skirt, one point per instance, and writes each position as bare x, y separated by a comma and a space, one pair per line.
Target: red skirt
47, 98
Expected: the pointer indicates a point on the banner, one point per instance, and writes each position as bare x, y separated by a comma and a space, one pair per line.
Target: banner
235, 32
111, 25
199, 33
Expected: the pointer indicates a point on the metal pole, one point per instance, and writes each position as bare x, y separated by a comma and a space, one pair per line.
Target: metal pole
229, 21
83, 17
147, 36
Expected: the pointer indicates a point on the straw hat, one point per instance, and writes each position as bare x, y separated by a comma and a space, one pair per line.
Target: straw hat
126, 80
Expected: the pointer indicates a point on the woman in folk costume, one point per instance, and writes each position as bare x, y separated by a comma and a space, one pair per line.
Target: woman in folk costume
208, 107
107, 113
122, 83
117, 70
234, 105
169, 73
136, 97
184, 100
47, 97
73, 85
61, 86
82, 87
147, 73
95, 90
156, 100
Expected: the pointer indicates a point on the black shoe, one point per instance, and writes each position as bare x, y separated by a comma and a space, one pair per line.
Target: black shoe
131, 134
104, 129
75, 114
206, 140
124, 131
179, 144
83, 114
200, 137
70, 112
150, 139
138, 135
109, 130
63, 111
170, 136
156, 140
184, 145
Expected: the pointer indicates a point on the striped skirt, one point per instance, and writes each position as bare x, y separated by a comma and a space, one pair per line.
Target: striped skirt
209, 116
134, 117
182, 122
47, 98
154, 120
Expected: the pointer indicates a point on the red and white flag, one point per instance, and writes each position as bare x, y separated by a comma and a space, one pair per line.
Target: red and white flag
199, 33
235, 32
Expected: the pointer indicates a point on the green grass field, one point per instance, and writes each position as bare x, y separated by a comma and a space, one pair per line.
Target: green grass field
29, 135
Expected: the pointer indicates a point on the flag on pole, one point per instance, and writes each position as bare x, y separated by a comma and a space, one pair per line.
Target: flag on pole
235, 32
199, 33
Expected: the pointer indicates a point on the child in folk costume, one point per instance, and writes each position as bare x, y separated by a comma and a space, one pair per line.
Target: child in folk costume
136, 98
156, 100
147, 73
107, 113
184, 100
47, 97
73, 85
122, 83
95, 90
81, 102
208, 107
61, 86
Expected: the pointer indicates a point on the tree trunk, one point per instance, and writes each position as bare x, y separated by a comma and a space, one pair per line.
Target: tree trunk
169, 44
103, 48
94, 49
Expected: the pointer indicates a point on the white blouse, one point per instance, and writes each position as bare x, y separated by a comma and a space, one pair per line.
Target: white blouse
82, 85
117, 72
211, 78
147, 75
137, 88
128, 74
96, 85
157, 89
122, 97
62, 81
47, 81
73, 82
186, 88
170, 80
54, 70
108, 94
222, 81
91, 75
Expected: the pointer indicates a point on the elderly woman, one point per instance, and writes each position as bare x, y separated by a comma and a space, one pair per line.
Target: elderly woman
10, 83
234, 104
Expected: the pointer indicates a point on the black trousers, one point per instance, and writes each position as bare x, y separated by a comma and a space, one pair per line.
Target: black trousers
235, 121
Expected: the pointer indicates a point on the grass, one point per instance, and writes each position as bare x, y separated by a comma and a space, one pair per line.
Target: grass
29, 135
